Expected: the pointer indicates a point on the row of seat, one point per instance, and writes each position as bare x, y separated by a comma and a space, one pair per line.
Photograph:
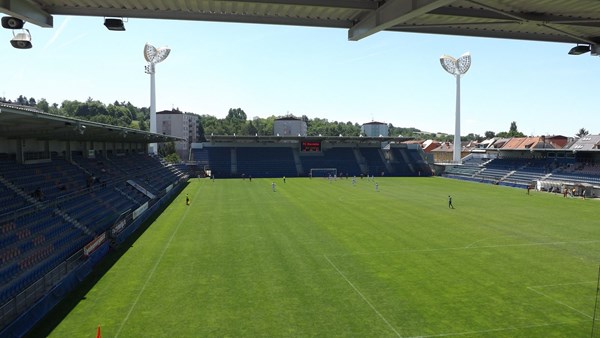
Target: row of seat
281, 161
521, 172
39, 237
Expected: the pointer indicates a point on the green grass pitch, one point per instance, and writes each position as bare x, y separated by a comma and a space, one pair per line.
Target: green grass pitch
330, 259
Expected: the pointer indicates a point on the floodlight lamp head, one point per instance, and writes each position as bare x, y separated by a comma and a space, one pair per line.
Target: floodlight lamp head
464, 63
456, 66
10, 22
448, 63
155, 55
21, 40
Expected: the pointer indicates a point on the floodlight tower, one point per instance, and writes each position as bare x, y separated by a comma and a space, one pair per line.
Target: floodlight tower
153, 56
456, 68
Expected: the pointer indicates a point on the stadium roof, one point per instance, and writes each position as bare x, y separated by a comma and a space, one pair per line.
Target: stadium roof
277, 139
571, 21
17, 122
587, 143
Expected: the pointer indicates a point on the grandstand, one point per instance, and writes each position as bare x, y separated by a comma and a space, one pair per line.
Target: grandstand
230, 157
66, 196
548, 169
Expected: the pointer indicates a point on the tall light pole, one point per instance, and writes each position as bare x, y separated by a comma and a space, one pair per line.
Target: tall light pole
456, 68
153, 56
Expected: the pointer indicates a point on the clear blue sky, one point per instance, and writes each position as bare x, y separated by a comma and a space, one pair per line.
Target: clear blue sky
274, 70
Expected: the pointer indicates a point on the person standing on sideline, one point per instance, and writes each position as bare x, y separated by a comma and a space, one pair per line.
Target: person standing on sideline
283, 179
187, 199
273, 186
450, 202
376, 186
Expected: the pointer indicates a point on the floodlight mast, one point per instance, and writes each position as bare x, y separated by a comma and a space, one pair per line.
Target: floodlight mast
457, 68
153, 56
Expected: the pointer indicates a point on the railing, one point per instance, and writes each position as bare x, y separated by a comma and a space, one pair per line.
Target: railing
24, 300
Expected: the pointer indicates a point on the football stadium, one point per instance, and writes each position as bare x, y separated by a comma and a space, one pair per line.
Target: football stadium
292, 236
298, 235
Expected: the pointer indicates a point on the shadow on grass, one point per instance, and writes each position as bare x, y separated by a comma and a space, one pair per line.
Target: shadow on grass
47, 324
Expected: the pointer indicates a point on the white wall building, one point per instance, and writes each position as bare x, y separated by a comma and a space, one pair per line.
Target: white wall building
289, 126
375, 129
179, 124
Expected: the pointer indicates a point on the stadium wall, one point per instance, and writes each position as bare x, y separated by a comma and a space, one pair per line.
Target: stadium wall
8, 146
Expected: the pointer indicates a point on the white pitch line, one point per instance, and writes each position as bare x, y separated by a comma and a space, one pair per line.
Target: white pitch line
153, 270
362, 296
562, 284
512, 328
487, 238
464, 248
559, 302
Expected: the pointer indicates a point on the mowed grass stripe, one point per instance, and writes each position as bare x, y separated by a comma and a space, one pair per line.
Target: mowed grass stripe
247, 261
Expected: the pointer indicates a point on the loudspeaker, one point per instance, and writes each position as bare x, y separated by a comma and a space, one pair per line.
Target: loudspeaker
114, 24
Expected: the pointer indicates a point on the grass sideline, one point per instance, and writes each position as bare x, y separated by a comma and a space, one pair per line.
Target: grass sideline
328, 259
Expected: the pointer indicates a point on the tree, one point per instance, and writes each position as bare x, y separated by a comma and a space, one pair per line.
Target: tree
248, 129
236, 115
512, 132
143, 125
582, 132
43, 105
472, 137
54, 109
513, 128
69, 108
489, 134
172, 158
167, 148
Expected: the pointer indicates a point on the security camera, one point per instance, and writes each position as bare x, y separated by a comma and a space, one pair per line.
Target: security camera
21, 40
11, 22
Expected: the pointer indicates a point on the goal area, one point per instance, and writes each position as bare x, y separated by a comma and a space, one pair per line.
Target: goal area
323, 172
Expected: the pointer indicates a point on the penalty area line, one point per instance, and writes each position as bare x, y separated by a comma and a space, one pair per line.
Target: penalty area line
362, 296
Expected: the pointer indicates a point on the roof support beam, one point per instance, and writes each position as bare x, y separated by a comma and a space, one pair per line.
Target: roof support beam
202, 16
347, 4
27, 11
529, 17
391, 13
